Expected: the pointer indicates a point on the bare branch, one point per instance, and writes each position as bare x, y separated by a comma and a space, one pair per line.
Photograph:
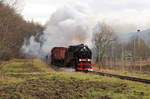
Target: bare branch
102, 39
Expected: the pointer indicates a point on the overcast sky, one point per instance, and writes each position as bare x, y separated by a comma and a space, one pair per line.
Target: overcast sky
130, 12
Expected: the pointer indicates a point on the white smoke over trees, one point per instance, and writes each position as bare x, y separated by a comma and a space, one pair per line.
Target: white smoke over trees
68, 25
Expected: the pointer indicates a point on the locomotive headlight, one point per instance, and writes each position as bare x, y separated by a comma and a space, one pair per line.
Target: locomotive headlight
89, 59
84, 60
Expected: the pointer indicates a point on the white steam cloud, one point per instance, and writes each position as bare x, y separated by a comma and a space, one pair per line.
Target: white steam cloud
68, 25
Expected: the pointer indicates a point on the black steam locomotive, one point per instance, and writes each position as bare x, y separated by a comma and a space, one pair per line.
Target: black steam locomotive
78, 57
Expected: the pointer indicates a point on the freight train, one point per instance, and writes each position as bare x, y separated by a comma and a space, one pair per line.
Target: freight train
78, 57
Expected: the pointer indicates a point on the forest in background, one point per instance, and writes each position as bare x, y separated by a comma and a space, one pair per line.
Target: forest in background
111, 53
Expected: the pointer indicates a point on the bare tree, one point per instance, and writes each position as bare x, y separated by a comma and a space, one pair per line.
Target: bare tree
17, 5
103, 37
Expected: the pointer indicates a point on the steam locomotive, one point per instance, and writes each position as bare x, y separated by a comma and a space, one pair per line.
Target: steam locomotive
78, 57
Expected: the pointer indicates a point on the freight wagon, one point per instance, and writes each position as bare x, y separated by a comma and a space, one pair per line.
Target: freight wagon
58, 55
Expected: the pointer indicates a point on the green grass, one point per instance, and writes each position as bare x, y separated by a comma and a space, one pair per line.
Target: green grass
73, 86
44, 83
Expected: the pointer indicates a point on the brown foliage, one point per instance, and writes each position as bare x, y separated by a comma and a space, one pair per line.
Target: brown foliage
13, 30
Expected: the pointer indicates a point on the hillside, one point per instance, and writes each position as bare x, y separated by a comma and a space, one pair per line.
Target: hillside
33, 79
127, 37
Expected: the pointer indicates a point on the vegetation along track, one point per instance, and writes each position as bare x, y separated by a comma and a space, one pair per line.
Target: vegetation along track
146, 81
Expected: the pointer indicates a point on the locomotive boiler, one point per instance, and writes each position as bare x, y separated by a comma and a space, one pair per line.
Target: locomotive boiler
77, 56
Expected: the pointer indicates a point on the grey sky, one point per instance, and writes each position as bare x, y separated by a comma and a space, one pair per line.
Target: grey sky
130, 12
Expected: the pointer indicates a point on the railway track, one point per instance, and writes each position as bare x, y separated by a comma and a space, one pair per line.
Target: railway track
146, 81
